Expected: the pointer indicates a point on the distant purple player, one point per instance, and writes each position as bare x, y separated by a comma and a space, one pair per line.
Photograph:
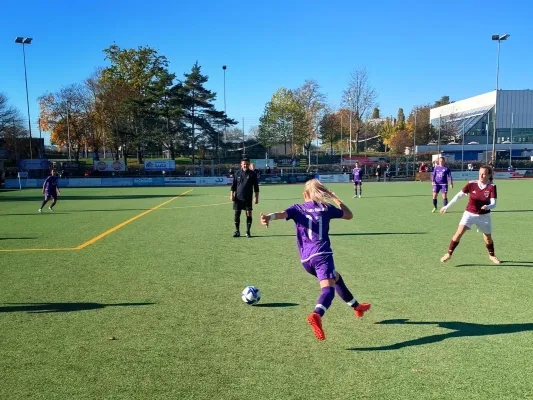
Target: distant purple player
312, 221
50, 190
357, 179
439, 178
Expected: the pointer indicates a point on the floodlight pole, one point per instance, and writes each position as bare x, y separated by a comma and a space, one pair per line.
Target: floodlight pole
350, 150
24, 41
499, 38
225, 113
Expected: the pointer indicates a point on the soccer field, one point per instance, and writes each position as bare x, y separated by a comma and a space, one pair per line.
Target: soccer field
134, 293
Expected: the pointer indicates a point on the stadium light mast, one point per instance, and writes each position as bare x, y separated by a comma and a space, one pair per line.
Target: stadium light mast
499, 38
225, 114
350, 150
23, 41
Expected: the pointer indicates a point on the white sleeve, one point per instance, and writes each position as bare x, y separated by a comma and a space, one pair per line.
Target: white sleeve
457, 197
492, 204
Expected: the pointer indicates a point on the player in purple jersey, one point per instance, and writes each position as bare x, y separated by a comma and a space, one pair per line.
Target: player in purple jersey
50, 191
357, 179
439, 179
312, 220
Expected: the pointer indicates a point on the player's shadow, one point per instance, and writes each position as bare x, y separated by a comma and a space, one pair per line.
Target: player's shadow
511, 211
35, 213
60, 307
504, 263
377, 233
110, 210
358, 234
276, 305
288, 198
399, 195
459, 329
38, 197
17, 238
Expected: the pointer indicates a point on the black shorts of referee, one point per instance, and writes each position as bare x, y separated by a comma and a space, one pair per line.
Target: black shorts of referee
246, 205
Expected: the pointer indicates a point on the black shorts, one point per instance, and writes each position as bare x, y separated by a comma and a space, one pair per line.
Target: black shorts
239, 205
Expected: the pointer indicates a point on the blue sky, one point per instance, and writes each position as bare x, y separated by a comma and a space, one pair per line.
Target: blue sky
414, 51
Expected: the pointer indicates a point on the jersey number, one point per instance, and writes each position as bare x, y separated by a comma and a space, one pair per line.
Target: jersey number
310, 229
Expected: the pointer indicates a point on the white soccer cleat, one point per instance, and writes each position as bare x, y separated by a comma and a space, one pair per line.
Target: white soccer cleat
359, 196
445, 258
40, 210
51, 209
495, 259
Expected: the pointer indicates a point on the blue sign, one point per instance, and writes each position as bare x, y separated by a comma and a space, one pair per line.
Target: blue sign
159, 165
38, 163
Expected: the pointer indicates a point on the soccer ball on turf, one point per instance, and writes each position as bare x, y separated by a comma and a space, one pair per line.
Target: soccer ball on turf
251, 295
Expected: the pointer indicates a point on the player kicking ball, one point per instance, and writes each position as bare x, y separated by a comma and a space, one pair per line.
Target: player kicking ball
50, 191
312, 220
482, 199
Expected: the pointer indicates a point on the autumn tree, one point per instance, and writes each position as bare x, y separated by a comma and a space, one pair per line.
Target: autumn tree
12, 128
359, 97
330, 128
424, 131
311, 103
400, 139
66, 115
283, 121
9, 115
133, 71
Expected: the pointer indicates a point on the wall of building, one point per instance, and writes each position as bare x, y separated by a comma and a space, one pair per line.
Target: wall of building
514, 106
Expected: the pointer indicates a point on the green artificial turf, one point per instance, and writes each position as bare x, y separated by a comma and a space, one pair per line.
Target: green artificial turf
153, 309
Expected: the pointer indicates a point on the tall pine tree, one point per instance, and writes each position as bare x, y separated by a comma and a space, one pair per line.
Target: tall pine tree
200, 115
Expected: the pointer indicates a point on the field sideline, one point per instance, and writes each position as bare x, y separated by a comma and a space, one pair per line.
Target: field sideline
134, 293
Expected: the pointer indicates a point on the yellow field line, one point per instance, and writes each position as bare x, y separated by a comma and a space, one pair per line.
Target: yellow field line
88, 243
204, 205
24, 250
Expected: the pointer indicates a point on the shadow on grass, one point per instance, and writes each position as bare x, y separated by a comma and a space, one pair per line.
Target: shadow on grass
513, 211
35, 213
460, 329
289, 198
276, 305
77, 211
17, 238
60, 307
358, 234
98, 197
504, 263
406, 195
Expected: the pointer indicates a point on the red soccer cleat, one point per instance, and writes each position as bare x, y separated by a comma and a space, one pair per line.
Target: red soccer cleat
315, 320
361, 309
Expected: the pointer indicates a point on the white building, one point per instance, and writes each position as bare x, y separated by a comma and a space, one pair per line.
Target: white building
472, 121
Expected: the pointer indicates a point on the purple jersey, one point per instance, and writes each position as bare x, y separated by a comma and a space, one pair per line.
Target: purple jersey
441, 175
50, 184
357, 174
312, 227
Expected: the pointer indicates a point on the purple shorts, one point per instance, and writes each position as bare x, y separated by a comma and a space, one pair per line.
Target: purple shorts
321, 266
438, 187
53, 195
357, 183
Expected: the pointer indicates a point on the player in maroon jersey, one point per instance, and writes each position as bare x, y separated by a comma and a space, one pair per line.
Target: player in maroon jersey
482, 199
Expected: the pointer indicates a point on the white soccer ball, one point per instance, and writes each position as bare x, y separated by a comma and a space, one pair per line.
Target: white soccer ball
251, 295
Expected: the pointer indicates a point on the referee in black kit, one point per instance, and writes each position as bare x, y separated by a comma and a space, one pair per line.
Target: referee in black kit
244, 183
